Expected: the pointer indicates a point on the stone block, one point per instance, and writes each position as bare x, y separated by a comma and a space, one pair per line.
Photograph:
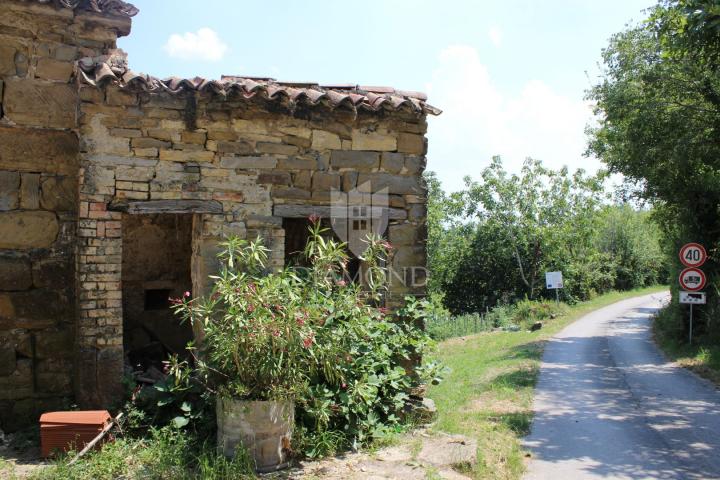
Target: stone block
146, 142
38, 150
66, 53
349, 181
33, 309
54, 344
116, 97
403, 234
9, 190
276, 148
237, 147
221, 136
126, 132
30, 191
249, 126
50, 69
411, 143
7, 360
356, 160
15, 274
415, 165
146, 152
54, 383
296, 131
396, 184
248, 162
417, 212
166, 135
373, 141
51, 272
297, 163
274, 178
322, 140
290, 193
186, 156
28, 229
59, 194
31, 102
392, 162
134, 174
196, 137
7, 60
302, 179
325, 182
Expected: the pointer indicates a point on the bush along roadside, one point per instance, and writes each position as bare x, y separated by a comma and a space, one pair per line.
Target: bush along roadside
523, 315
702, 356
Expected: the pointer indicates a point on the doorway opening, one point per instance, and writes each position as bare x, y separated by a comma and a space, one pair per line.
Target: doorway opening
156, 256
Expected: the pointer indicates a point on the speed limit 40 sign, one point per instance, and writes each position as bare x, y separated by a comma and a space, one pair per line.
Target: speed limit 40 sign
693, 255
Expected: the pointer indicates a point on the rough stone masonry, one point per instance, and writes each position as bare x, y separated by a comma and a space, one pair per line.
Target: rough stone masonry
84, 141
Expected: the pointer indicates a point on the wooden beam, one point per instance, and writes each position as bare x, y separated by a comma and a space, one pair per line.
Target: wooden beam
167, 206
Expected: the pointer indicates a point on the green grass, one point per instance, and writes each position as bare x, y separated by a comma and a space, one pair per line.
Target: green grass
163, 454
488, 393
702, 357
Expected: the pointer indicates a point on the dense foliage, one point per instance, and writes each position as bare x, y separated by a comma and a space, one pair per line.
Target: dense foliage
307, 334
658, 107
492, 243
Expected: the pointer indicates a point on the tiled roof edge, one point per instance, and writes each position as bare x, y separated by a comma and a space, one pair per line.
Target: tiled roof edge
110, 7
112, 69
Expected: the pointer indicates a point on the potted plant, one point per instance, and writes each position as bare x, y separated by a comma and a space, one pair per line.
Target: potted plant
256, 351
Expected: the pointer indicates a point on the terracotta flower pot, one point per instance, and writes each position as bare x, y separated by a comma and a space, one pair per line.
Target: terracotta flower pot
264, 428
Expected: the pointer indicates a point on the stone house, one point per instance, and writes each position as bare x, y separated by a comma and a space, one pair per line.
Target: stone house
116, 187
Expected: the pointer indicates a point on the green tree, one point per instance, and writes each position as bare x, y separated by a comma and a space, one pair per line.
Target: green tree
658, 108
541, 214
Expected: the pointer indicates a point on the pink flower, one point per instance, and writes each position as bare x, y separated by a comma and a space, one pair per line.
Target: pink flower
307, 341
383, 310
387, 245
251, 308
342, 283
300, 321
314, 218
343, 385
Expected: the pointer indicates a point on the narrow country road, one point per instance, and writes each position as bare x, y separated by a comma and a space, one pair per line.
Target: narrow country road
608, 404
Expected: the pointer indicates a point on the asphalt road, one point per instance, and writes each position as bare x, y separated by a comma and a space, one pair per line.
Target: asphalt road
609, 405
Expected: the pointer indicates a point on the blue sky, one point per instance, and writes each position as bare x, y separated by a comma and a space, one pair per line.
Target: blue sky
510, 75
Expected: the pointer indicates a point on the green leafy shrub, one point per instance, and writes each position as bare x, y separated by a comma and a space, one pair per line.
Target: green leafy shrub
307, 334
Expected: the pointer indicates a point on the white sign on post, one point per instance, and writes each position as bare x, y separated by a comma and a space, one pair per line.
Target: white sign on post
553, 280
692, 298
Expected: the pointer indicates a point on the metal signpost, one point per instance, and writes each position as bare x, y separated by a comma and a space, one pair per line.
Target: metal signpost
554, 281
692, 279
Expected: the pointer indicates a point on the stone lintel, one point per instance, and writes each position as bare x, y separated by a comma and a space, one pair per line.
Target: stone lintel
167, 206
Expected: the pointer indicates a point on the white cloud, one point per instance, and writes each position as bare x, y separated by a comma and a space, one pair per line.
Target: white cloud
480, 121
495, 35
201, 45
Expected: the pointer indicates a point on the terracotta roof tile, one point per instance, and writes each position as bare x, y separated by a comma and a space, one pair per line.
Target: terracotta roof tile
112, 69
112, 7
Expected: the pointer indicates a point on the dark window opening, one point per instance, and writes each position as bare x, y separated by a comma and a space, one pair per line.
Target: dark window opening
157, 299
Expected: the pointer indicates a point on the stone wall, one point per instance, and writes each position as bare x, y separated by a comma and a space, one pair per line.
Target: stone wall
241, 165
38, 200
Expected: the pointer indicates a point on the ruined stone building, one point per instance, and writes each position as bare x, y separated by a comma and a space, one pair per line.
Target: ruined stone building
116, 187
